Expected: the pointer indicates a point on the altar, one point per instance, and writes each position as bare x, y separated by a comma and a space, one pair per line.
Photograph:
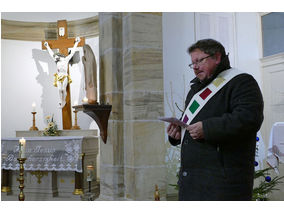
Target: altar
55, 167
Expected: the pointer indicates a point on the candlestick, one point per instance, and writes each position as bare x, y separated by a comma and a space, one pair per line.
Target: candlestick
156, 194
33, 107
21, 179
22, 148
33, 128
75, 125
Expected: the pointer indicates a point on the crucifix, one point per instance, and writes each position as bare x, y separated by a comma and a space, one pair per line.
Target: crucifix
63, 43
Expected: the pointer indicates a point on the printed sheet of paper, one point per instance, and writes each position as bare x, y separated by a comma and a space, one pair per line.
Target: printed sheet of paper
173, 120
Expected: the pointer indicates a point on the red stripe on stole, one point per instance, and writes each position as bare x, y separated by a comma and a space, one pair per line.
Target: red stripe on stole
205, 93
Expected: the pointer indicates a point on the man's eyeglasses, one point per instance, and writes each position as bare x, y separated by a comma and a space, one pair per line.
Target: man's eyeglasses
199, 62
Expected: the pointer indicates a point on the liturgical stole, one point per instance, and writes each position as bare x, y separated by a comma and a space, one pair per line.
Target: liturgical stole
199, 100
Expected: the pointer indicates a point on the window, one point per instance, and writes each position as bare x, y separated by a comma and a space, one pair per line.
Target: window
219, 26
272, 33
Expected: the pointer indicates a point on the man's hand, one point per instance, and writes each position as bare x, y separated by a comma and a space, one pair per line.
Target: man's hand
174, 131
196, 130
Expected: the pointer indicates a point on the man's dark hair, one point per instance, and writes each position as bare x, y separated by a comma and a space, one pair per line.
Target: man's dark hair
210, 47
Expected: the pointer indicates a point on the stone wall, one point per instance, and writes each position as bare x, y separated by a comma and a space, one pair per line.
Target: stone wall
131, 76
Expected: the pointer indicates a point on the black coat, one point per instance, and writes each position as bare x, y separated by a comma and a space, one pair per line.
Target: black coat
221, 166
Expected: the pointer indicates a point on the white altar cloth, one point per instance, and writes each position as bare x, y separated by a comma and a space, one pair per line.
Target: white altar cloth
49, 153
275, 154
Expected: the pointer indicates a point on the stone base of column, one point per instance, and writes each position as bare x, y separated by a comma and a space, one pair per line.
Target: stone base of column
112, 183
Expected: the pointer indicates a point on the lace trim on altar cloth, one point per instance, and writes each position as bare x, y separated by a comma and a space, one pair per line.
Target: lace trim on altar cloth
44, 153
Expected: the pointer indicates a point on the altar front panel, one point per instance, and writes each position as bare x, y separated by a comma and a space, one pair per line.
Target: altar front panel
44, 153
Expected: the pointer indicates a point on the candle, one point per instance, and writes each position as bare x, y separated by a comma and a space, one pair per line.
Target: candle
34, 107
85, 100
75, 103
22, 145
90, 170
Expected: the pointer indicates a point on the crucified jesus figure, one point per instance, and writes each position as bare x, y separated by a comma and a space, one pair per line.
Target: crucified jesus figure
62, 78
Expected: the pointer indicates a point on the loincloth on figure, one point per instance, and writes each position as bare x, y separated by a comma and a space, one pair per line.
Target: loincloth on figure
61, 78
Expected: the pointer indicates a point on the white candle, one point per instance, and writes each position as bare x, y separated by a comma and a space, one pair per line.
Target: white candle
85, 100
75, 103
22, 144
34, 107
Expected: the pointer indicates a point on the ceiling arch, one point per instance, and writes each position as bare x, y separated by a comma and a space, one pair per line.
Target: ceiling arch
25, 26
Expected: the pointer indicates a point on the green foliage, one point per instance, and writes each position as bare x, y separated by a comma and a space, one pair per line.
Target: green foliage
266, 185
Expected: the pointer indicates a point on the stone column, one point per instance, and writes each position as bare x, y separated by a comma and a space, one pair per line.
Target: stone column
143, 103
131, 76
111, 90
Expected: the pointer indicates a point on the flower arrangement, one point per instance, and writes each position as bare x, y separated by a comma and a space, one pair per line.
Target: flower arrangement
51, 129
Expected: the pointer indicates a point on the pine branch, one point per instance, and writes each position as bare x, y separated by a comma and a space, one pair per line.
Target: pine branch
264, 188
261, 173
